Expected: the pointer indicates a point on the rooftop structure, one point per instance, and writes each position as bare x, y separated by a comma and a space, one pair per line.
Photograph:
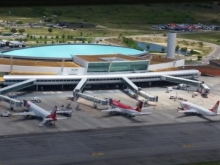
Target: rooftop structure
157, 59
39, 63
108, 57
67, 51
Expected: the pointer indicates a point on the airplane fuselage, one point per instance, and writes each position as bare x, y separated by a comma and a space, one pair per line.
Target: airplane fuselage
125, 109
40, 112
200, 110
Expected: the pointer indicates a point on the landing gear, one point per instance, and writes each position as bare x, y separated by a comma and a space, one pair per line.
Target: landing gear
52, 122
95, 105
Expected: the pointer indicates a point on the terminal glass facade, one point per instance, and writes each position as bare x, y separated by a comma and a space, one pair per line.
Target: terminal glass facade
129, 66
118, 66
98, 67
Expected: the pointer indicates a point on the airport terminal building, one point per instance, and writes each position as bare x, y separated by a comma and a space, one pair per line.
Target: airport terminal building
64, 66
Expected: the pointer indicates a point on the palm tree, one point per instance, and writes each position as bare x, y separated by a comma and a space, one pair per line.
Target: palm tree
148, 47
177, 48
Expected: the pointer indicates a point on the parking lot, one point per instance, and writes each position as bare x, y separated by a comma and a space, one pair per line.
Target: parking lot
164, 111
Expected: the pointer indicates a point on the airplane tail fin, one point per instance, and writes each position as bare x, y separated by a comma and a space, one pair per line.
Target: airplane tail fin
139, 106
53, 114
110, 100
25, 104
215, 108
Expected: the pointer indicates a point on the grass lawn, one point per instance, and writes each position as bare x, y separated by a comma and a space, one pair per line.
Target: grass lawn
93, 32
212, 37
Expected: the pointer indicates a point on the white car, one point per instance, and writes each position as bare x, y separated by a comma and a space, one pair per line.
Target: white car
5, 114
173, 97
36, 100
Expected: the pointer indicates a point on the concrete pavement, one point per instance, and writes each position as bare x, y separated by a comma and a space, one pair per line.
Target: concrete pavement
157, 144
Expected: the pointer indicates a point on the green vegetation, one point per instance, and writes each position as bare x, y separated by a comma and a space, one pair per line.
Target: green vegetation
193, 52
131, 43
199, 58
212, 37
119, 16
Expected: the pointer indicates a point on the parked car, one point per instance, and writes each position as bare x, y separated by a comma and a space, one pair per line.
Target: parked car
173, 97
36, 100
5, 114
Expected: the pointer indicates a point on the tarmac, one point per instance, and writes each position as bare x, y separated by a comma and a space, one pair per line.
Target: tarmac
91, 136
142, 145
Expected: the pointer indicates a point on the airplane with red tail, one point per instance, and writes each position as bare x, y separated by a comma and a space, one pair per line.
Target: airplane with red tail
190, 108
34, 110
120, 108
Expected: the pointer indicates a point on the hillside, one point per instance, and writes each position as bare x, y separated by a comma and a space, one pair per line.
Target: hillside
122, 16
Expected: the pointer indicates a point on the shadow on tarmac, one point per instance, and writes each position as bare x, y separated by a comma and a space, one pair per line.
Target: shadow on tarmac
201, 116
133, 119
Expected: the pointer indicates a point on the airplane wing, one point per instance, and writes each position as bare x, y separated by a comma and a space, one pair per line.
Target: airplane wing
188, 111
62, 111
140, 113
50, 119
24, 114
44, 121
61, 118
112, 110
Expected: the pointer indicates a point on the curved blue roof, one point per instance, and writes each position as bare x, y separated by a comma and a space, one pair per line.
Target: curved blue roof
68, 50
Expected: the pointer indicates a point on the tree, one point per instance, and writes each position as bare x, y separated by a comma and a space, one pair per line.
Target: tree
50, 30
13, 30
184, 50
31, 37
57, 37
201, 44
199, 58
45, 42
177, 48
148, 47
81, 33
119, 36
52, 42
63, 36
19, 22
45, 37
40, 37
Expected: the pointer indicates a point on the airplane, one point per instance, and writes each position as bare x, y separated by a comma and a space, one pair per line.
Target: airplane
37, 111
121, 108
190, 108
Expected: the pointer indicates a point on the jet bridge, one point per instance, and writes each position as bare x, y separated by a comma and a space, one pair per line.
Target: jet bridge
137, 90
77, 92
17, 86
81, 85
130, 84
181, 80
148, 96
94, 99
201, 87
11, 101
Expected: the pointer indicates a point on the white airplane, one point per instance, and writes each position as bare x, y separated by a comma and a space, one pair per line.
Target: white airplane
190, 108
120, 108
37, 111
